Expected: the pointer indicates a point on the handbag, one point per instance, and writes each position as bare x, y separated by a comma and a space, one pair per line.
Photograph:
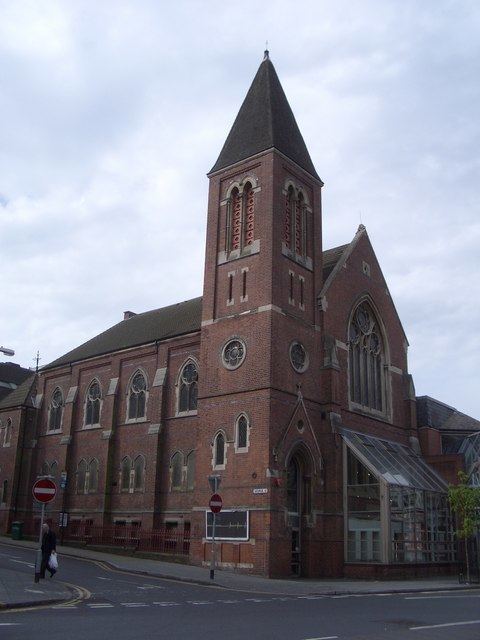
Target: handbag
53, 561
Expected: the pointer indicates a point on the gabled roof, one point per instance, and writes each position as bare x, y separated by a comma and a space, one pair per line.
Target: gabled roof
11, 376
143, 328
438, 415
265, 121
22, 395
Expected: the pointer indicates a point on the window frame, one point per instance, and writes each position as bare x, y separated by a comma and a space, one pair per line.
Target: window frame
215, 465
92, 425
238, 448
58, 409
180, 383
131, 392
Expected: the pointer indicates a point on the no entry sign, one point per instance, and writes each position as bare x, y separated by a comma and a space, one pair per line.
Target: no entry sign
215, 503
44, 490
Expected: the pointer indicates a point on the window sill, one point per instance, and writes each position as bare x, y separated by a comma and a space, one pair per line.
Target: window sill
242, 450
89, 427
298, 259
7, 444
370, 413
236, 254
186, 414
135, 420
54, 432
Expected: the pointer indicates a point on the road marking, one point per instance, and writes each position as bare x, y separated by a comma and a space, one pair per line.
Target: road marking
445, 624
228, 601
151, 586
310, 597
323, 638
29, 564
338, 597
255, 600
199, 602
64, 606
134, 604
167, 604
33, 590
10, 624
441, 597
100, 605
102, 578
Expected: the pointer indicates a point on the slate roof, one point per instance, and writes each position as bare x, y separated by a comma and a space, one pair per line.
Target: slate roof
330, 259
13, 375
436, 414
159, 324
265, 121
143, 328
21, 395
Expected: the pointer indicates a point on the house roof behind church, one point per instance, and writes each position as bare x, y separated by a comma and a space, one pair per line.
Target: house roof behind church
437, 415
265, 121
143, 328
330, 259
11, 376
21, 395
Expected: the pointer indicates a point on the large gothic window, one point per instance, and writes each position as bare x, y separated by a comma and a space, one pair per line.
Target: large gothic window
56, 410
92, 404
188, 388
366, 359
137, 394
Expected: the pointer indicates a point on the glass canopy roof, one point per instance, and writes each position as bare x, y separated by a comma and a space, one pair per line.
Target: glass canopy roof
471, 450
397, 464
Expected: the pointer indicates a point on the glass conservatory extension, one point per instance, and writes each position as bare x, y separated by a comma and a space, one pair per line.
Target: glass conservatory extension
396, 506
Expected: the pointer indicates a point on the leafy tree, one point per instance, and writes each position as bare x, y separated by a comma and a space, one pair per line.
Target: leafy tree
465, 504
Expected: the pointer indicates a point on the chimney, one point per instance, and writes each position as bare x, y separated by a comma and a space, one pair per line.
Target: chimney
128, 314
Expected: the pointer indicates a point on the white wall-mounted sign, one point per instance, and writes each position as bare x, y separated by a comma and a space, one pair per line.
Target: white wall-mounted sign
262, 490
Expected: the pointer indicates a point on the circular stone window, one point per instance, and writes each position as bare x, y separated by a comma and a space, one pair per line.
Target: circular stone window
298, 357
233, 354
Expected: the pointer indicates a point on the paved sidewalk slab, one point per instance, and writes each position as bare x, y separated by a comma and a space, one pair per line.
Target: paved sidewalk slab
232, 580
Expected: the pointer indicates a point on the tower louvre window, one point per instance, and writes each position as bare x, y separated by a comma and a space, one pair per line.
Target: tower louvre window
287, 229
236, 220
249, 214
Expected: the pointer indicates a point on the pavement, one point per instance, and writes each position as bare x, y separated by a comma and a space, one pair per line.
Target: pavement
18, 589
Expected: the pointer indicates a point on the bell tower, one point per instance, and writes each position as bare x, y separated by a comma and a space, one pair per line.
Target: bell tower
260, 320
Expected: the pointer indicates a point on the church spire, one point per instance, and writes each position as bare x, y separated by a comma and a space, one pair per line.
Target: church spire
265, 121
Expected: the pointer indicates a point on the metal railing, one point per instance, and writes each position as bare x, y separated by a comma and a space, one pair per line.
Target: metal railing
166, 540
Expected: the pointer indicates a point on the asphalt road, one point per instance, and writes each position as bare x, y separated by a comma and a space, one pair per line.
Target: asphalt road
125, 606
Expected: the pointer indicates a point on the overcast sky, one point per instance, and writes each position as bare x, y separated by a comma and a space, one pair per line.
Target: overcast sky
112, 113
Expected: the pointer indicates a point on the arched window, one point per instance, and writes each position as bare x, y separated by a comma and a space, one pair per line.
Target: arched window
137, 397
248, 214
139, 473
54, 469
289, 212
219, 450
92, 404
125, 473
56, 410
81, 476
7, 437
45, 469
366, 359
92, 480
295, 222
4, 491
241, 432
191, 470
176, 469
235, 223
188, 391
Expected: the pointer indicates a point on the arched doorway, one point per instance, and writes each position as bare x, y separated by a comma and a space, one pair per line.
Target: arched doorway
298, 505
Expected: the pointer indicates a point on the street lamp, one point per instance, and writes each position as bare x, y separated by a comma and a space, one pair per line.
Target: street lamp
7, 352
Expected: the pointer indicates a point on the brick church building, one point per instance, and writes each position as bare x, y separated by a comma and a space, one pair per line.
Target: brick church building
288, 379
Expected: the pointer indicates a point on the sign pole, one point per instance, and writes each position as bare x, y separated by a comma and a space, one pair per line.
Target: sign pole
38, 556
213, 558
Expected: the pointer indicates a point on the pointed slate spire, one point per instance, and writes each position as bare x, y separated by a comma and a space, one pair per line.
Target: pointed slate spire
265, 120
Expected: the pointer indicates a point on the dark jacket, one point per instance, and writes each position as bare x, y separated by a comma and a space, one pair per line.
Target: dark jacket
49, 543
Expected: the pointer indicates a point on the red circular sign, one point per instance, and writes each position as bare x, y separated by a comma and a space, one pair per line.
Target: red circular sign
44, 490
215, 503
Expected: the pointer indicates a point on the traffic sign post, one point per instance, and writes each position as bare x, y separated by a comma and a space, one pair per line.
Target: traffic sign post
44, 490
215, 505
